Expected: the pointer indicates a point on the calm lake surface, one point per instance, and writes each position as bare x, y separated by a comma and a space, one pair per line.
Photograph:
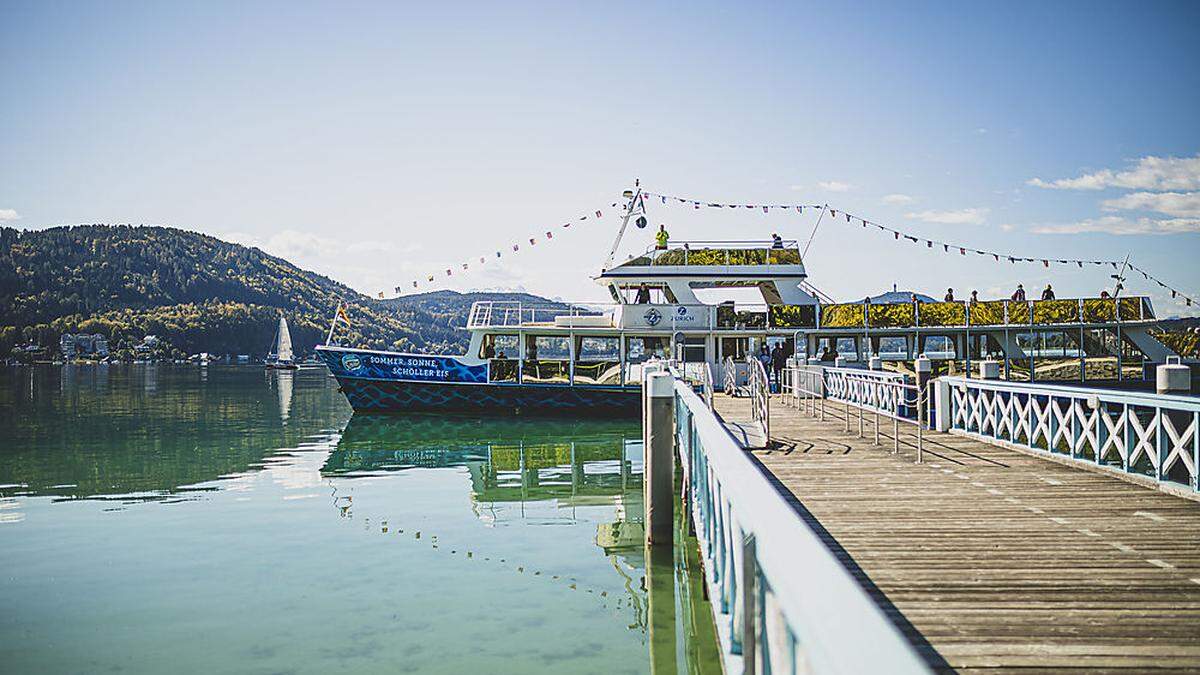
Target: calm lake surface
176, 519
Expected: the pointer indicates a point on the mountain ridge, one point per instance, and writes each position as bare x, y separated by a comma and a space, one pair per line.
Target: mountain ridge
199, 293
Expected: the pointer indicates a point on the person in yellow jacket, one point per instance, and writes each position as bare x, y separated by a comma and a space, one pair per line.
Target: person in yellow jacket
661, 238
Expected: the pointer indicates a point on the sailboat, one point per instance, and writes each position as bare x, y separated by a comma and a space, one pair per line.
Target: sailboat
281, 357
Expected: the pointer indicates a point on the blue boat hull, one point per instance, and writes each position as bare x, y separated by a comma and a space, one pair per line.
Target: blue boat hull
370, 384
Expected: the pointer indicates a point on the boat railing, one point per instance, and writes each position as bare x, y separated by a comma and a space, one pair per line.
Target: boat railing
1156, 436
720, 253
783, 601
987, 313
515, 313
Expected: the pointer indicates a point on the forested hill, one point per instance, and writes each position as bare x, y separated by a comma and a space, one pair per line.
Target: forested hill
199, 293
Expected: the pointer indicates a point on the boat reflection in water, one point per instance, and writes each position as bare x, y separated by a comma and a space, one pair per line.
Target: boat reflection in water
556, 471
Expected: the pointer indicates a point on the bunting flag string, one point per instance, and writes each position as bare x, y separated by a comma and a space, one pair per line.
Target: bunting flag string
698, 203
962, 250
1175, 293
430, 279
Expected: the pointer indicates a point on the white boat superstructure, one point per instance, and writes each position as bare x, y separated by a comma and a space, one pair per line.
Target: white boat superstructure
657, 311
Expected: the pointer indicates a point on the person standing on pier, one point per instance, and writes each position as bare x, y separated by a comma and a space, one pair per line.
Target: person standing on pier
1019, 294
1048, 293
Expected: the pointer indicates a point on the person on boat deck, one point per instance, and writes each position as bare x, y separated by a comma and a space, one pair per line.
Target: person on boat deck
489, 352
1048, 293
949, 295
661, 238
1104, 294
643, 295
776, 240
1019, 294
974, 297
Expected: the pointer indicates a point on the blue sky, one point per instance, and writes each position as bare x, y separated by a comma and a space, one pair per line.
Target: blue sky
379, 143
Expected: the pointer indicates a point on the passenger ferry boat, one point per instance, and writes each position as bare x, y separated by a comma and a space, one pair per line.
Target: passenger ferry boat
588, 358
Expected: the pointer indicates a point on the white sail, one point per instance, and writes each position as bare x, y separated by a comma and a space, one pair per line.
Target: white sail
284, 348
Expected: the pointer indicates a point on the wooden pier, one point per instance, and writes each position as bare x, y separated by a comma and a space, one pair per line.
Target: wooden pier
987, 558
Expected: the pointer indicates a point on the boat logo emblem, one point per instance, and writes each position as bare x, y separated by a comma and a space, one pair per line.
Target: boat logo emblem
652, 316
351, 362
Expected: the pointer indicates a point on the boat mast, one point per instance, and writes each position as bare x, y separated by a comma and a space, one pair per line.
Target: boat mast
624, 223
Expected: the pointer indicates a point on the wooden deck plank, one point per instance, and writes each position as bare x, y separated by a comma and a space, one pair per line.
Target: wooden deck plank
991, 559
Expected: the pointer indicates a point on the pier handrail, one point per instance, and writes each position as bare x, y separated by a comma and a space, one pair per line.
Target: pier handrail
805, 609
760, 396
707, 384
883, 394
729, 377
1136, 433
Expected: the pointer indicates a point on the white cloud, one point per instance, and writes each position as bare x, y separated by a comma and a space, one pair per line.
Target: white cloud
1148, 173
960, 217
898, 199
1122, 225
834, 186
9, 214
1182, 204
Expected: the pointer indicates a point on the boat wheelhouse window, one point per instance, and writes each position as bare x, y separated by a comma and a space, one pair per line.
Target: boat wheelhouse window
655, 294
499, 346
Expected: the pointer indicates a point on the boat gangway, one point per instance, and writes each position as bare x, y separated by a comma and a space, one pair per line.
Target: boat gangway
965, 525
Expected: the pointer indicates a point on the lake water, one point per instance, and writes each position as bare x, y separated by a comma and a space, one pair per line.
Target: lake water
176, 519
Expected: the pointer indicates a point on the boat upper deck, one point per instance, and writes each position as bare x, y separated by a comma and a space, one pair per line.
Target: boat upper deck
830, 318
708, 258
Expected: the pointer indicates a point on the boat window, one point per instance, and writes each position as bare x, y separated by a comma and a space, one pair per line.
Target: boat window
499, 346
693, 350
547, 359
644, 348
598, 360
737, 347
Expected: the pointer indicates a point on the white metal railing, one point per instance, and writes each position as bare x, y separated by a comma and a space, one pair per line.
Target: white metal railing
782, 600
514, 313
760, 397
883, 395
1155, 435
729, 377
707, 382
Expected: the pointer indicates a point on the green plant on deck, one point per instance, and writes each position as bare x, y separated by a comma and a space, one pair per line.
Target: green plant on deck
1131, 309
849, 315
943, 314
1097, 310
1181, 342
988, 313
1055, 311
791, 316
895, 315
1018, 312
